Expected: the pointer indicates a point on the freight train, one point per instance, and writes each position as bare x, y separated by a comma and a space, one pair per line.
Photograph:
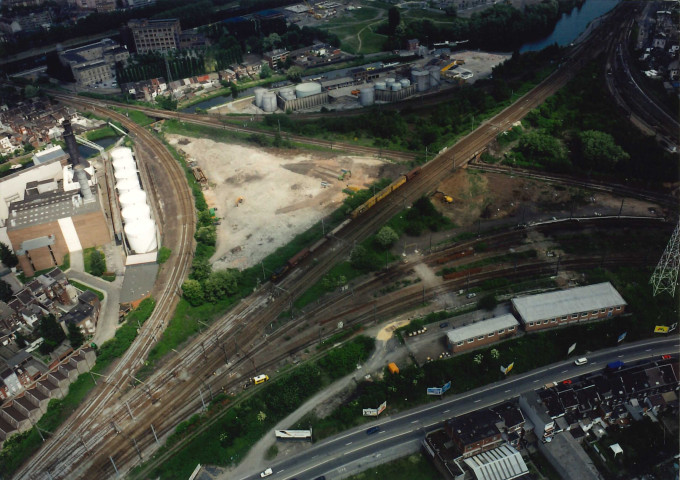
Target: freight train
282, 271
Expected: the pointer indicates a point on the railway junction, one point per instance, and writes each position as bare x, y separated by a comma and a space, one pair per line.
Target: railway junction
121, 427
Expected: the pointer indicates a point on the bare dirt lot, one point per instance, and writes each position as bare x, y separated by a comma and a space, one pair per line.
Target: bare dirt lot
493, 196
282, 191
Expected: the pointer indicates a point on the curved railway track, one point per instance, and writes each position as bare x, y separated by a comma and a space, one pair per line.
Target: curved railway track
122, 431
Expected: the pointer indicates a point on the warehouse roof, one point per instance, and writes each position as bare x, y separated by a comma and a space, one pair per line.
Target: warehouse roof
565, 302
482, 328
503, 463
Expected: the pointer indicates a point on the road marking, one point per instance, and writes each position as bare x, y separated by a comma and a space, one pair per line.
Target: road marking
564, 371
648, 350
447, 411
350, 443
415, 421
620, 356
478, 400
535, 381
507, 391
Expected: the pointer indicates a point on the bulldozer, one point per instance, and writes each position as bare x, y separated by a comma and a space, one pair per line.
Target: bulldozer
444, 197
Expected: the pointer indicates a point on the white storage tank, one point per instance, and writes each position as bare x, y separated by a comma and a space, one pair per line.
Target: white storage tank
138, 211
435, 76
389, 81
127, 185
123, 174
124, 164
259, 95
395, 86
366, 96
131, 198
421, 78
141, 236
405, 82
121, 152
269, 102
380, 86
307, 89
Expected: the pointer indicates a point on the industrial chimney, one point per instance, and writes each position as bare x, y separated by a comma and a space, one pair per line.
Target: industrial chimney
79, 165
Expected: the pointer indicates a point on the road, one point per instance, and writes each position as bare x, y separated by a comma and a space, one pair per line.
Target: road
333, 456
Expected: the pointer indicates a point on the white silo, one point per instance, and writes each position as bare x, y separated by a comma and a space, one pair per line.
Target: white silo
120, 152
138, 211
421, 78
435, 77
123, 174
269, 102
259, 95
380, 86
124, 164
132, 197
307, 89
141, 236
396, 86
127, 185
366, 96
405, 82
389, 81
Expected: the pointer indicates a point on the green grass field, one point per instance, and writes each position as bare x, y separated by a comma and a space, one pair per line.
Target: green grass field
412, 467
355, 30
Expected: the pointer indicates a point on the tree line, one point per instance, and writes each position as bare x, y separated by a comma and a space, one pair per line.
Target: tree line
153, 65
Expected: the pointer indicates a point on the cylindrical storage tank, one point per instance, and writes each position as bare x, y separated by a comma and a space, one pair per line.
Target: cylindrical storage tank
259, 95
287, 92
124, 164
121, 152
141, 235
389, 81
307, 89
366, 96
435, 76
380, 86
127, 184
395, 86
138, 211
269, 102
132, 197
405, 82
123, 174
421, 79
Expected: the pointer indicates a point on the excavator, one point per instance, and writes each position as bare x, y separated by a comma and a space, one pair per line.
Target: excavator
455, 63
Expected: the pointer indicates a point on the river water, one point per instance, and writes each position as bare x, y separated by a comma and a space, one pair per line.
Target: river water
86, 152
572, 24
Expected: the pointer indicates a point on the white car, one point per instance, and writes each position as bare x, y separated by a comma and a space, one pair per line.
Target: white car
266, 473
581, 361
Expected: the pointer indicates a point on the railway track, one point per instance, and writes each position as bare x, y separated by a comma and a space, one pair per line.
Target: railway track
123, 433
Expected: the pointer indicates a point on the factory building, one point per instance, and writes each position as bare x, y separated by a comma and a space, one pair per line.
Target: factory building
481, 333
94, 63
581, 304
155, 35
57, 217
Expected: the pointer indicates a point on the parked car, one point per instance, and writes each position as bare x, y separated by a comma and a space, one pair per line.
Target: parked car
443, 324
471, 295
581, 361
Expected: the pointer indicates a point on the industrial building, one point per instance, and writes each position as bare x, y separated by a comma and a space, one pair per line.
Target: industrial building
95, 63
276, 58
481, 333
57, 217
581, 304
155, 35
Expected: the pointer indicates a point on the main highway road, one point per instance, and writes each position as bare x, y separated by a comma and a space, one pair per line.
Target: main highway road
337, 455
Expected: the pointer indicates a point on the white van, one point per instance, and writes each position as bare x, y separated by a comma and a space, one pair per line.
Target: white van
581, 361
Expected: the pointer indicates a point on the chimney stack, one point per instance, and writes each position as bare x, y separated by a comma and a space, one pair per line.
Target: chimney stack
79, 165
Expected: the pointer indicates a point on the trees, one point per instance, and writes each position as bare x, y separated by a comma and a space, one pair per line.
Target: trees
52, 332
598, 151
192, 291
489, 302
206, 235
166, 102
265, 72
271, 41
542, 148
220, 284
294, 74
393, 20
5, 291
97, 263
75, 335
234, 90
386, 237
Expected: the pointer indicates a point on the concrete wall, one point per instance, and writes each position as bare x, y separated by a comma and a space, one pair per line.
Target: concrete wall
394, 96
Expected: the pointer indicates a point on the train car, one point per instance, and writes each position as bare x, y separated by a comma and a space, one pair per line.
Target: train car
455, 256
338, 228
462, 274
298, 257
317, 245
279, 273
412, 173
384, 193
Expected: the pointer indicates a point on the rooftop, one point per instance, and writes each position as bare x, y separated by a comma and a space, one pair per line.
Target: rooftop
474, 426
565, 302
482, 328
49, 154
138, 281
502, 463
49, 207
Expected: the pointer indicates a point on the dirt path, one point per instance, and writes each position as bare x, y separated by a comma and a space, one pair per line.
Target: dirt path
386, 349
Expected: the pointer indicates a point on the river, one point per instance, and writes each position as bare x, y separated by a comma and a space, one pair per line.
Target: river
572, 24
87, 152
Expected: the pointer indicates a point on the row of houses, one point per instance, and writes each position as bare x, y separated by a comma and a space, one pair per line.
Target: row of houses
485, 442
540, 312
23, 411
